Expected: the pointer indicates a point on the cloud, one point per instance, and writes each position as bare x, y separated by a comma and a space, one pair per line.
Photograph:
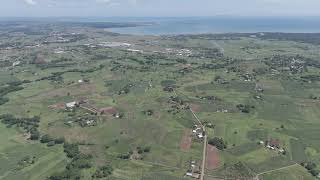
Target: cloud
30, 2
112, 3
104, 1
134, 2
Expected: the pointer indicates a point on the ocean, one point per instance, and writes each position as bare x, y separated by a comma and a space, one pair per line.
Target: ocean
198, 25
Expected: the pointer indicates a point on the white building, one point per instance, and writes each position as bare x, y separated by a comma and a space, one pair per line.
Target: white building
71, 104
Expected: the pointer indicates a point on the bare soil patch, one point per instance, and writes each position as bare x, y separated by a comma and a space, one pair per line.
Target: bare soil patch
186, 140
212, 160
195, 107
109, 110
58, 106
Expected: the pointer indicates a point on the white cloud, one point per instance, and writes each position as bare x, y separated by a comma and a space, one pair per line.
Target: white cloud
30, 2
134, 2
104, 1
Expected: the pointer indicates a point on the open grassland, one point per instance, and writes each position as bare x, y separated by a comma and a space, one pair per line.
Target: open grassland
236, 86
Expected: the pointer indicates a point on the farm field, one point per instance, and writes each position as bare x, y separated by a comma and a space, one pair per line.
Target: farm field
79, 102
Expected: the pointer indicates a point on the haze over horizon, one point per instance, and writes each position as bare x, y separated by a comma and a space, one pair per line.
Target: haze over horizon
163, 8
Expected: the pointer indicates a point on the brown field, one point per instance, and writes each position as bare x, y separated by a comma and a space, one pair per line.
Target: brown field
195, 107
186, 140
212, 160
58, 106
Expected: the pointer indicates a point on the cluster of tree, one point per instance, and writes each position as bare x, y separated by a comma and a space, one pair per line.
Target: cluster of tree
97, 56
3, 100
210, 98
54, 77
18, 83
261, 71
312, 38
141, 150
57, 76
184, 71
226, 36
209, 53
30, 125
311, 96
103, 172
63, 59
244, 108
220, 80
71, 150
125, 89
25, 162
311, 77
10, 45
213, 66
177, 100
312, 62
183, 61
141, 62
125, 155
168, 89
311, 167
66, 39
218, 143
5, 63
86, 120
78, 162
294, 64
73, 168
168, 83
46, 139
54, 64
8, 89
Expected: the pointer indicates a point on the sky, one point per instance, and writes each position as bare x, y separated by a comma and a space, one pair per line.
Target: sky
172, 8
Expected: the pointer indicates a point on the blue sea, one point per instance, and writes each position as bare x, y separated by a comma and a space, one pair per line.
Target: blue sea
197, 25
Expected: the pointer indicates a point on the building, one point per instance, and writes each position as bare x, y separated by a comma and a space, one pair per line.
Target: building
200, 135
194, 175
71, 104
275, 143
16, 63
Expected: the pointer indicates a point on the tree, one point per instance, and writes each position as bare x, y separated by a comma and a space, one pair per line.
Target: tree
218, 143
45, 139
147, 149
314, 172
35, 135
59, 140
51, 143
